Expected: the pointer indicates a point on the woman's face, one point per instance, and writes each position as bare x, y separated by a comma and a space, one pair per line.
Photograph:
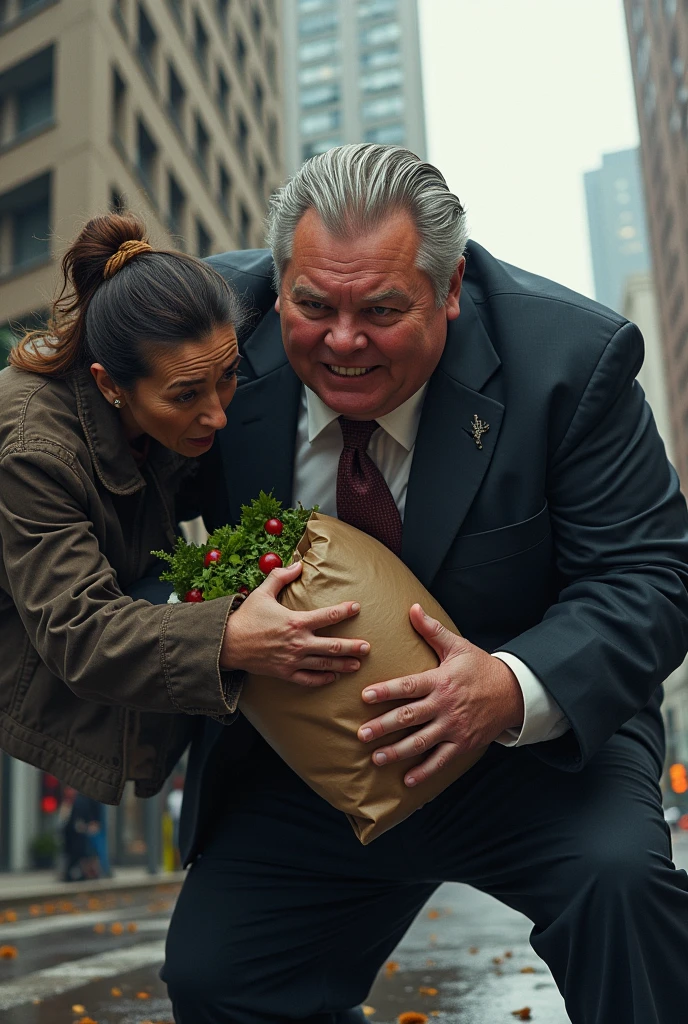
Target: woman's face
182, 402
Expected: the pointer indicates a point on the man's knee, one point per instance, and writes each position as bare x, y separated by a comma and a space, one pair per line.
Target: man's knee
619, 867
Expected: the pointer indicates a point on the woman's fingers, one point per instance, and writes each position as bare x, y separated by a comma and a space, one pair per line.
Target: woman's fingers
331, 616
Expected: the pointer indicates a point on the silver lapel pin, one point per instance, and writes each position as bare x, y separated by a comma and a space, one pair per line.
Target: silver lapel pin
478, 428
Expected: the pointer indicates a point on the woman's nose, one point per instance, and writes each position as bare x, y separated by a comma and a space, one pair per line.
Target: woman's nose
214, 416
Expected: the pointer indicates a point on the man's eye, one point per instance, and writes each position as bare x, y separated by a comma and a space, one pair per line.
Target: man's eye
381, 310
317, 306
186, 396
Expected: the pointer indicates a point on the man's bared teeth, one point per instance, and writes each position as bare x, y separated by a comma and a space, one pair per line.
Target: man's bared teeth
350, 371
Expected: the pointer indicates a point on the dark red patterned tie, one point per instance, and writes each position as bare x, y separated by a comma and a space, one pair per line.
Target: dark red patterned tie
363, 498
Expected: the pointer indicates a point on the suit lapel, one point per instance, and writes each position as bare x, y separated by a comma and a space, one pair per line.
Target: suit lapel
448, 465
259, 439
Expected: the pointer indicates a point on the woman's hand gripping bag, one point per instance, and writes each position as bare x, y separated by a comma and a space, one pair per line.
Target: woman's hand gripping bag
314, 730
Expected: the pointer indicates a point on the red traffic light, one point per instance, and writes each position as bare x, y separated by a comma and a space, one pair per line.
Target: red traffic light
49, 804
678, 778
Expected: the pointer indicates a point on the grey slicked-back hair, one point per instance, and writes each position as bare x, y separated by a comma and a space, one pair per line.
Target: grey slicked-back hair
354, 188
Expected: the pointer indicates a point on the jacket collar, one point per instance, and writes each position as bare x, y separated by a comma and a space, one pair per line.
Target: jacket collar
112, 459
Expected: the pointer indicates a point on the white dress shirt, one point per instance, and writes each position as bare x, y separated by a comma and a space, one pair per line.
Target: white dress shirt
318, 447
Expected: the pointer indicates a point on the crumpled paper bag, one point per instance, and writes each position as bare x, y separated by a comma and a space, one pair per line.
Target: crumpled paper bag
314, 730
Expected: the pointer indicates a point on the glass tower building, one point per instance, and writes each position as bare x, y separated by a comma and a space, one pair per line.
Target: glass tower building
352, 74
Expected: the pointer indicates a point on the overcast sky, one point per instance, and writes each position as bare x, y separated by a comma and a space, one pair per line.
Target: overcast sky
522, 97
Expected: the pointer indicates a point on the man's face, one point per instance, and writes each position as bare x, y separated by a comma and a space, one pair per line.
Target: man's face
359, 321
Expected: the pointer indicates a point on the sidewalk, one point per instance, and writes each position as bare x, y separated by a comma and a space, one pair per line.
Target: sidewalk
29, 885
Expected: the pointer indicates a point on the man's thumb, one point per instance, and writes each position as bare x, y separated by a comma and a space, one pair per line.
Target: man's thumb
437, 635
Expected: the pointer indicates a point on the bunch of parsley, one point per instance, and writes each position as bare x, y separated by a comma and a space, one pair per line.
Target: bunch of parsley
240, 546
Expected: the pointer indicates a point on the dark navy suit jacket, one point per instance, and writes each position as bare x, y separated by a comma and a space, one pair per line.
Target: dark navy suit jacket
563, 540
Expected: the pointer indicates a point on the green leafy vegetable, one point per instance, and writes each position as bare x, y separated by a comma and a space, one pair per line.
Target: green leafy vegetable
241, 548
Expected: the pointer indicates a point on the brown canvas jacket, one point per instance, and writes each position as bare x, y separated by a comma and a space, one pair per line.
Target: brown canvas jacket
94, 687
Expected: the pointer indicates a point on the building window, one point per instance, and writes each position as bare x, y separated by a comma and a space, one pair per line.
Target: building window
319, 49
318, 24
202, 145
224, 189
387, 135
26, 97
147, 43
176, 97
389, 78
320, 95
380, 34
386, 57
176, 206
241, 134
313, 6
240, 52
258, 99
244, 228
376, 8
260, 178
319, 74
119, 103
146, 157
389, 106
222, 11
201, 41
25, 216
118, 202
317, 124
223, 90
204, 242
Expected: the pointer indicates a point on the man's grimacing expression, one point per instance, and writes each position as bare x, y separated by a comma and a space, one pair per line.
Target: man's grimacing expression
362, 305
182, 402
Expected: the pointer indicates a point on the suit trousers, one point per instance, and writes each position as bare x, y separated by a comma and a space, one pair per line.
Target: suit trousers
286, 917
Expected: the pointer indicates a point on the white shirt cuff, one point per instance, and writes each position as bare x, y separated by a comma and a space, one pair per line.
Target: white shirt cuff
543, 719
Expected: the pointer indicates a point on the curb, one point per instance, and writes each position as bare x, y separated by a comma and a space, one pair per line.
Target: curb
97, 885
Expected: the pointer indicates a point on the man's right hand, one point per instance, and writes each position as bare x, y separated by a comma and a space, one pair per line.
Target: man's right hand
266, 639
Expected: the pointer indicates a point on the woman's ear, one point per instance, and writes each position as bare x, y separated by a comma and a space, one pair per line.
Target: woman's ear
108, 389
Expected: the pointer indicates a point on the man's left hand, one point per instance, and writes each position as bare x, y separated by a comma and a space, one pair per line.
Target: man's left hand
466, 702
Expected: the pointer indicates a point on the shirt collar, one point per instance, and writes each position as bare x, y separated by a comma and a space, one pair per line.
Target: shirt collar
401, 423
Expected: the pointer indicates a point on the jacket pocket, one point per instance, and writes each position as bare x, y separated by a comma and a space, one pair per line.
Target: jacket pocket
493, 545
27, 669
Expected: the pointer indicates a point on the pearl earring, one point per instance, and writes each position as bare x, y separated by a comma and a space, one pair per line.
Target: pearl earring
117, 403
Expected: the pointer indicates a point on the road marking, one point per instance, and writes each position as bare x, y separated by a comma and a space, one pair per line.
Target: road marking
44, 925
53, 981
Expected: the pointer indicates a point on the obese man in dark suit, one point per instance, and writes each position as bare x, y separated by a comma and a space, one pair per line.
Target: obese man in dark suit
530, 493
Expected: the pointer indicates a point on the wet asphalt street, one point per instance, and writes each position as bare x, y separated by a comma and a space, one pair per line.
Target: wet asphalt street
466, 960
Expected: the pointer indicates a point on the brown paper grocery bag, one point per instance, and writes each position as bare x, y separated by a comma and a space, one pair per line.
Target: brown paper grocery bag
314, 730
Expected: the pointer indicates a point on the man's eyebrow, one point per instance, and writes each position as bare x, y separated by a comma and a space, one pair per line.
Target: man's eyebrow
302, 291
392, 294
201, 380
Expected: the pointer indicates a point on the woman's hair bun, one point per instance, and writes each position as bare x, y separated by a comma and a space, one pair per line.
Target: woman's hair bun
86, 259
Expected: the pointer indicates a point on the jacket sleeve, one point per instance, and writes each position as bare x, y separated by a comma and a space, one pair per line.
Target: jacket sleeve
620, 528
106, 647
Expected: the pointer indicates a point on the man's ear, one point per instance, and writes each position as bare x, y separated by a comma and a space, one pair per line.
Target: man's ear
106, 385
452, 304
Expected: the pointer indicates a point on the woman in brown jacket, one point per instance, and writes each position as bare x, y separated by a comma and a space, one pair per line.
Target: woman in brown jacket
99, 425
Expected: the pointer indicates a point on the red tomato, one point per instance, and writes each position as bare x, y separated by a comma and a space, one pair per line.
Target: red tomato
243, 590
194, 596
269, 561
212, 558
274, 527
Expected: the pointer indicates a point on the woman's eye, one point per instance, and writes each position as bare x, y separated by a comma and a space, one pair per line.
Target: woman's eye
229, 375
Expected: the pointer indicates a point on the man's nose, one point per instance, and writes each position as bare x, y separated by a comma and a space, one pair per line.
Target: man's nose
345, 336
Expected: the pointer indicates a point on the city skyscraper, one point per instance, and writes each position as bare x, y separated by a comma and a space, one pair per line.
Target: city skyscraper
169, 107
658, 39
616, 220
352, 74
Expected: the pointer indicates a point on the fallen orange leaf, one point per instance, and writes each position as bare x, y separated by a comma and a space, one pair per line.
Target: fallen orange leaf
412, 1018
391, 967
473, 950
8, 952
116, 928
508, 954
35, 910
78, 1008
10, 915
99, 929
527, 970
523, 1014
48, 908
115, 992
143, 995
132, 927
426, 990
87, 1020
433, 914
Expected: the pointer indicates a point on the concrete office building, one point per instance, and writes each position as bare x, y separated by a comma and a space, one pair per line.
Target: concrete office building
352, 74
169, 107
658, 39
616, 221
